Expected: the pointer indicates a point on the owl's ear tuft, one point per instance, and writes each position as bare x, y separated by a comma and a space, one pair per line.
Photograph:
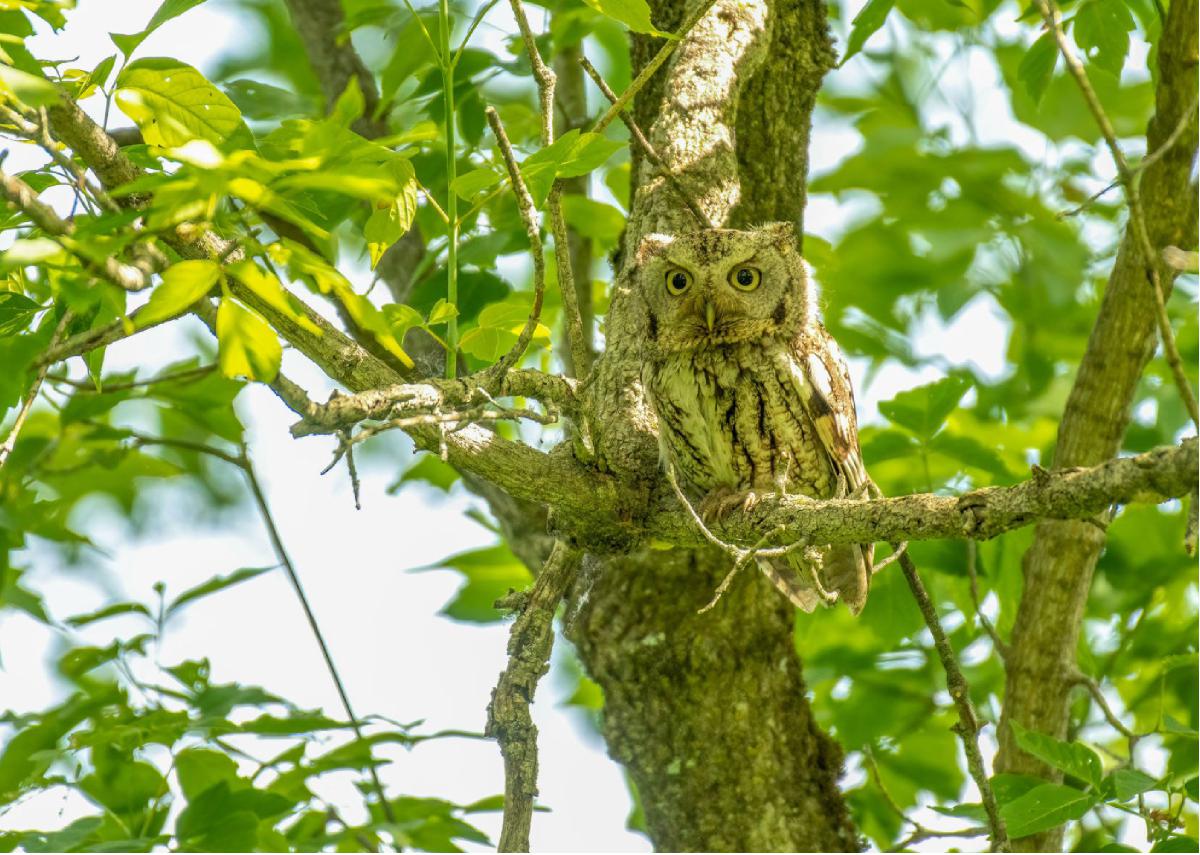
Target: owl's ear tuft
652, 245
782, 235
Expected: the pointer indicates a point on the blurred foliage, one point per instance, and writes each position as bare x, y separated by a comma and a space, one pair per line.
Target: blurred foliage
939, 216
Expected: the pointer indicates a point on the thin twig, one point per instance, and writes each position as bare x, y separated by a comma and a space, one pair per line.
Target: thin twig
39, 133
529, 217
967, 727
919, 832
650, 68
10, 441
580, 353
1137, 220
90, 387
648, 150
509, 721
22, 196
741, 557
1149, 160
542, 73
242, 461
972, 572
1093, 687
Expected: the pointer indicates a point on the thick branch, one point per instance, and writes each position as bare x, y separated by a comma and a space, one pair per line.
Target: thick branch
334, 60
509, 721
1076, 494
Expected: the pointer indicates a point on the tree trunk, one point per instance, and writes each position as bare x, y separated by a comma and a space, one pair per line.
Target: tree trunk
708, 712
1058, 566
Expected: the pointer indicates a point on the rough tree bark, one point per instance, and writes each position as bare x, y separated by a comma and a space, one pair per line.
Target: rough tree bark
1059, 565
708, 712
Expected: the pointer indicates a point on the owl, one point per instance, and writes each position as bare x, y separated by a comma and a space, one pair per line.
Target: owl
751, 393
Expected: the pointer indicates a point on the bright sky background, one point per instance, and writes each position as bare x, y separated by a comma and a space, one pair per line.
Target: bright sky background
398, 659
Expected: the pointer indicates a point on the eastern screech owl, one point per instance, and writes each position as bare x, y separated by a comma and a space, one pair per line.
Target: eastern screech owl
751, 393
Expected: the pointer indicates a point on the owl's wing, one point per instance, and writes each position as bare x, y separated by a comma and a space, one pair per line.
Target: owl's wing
829, 403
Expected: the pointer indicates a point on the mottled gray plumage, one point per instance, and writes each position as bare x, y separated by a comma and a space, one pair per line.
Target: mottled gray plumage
751, 393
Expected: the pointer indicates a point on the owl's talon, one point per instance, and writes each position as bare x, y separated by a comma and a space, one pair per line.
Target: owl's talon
722, 501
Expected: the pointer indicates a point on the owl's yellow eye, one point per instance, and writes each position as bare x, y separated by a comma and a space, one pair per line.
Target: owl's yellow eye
745, 278
678, 281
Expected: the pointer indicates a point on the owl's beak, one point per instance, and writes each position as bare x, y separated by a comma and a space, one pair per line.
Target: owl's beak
710, 314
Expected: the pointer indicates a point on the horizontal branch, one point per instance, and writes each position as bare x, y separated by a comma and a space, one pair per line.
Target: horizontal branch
344, 411
1164, 473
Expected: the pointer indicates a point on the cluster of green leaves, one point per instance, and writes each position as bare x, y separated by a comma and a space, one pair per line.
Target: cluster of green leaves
952, 222
141, 741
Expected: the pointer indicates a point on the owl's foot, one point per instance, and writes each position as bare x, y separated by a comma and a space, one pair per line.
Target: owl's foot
722, 501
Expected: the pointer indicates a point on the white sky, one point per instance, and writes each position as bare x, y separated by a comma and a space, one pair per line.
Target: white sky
397, 658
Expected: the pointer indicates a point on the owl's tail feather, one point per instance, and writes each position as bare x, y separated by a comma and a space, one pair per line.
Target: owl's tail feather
844, 576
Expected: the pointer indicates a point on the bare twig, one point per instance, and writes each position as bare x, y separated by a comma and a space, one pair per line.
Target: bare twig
529, 217
509, 721
1146, 162
22, 196
580, 353
1093, 687
242, 461
542, 73
919, 832
972, 572
39, 133
10, 441
648, 150
1137, 220
741, 557
650, 68
967, 727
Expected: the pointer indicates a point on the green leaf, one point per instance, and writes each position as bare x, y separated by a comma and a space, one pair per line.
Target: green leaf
259, 100
1177, 844
432, 471
1101, 29
571, 155
1045, 807
489, 573
16, 311
1037, 66
30, 89
172, 103
595, 220
25, 252
1127, 783
248, 346
442, 312
634, 14
474, 182
1009, 787
183, 283
1076, 760
217, 583
114, 610
169, 9
865, 24
924, 410
201, 768
500, 325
